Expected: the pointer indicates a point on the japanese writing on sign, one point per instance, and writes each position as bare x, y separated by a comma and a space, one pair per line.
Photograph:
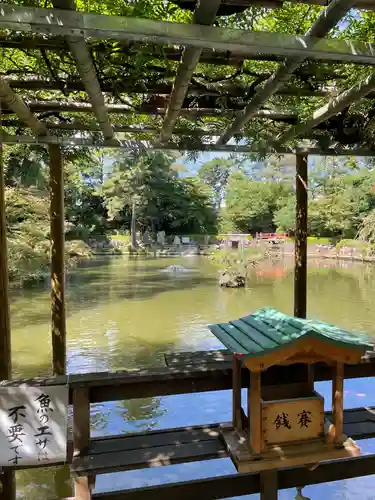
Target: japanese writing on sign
282, 420
293, 420
33, 425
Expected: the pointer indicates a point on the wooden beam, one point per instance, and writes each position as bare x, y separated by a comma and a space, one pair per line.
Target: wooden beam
335, 105
208, 56
338, 401
185, 378
88, 74
7, 479
275, 4
16, 104
97, 26
81, 439
235, 485
300, 269
57, 260
193, 113
268, 485
236, 393
131, 145
204, 14
129, 87
125, 129
255, 414
327, 20
81, 420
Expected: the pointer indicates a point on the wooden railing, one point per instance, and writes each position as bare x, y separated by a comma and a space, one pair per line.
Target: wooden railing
186, 373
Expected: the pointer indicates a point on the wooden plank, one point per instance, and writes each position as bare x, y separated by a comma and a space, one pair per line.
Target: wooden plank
17, 105
5, 334
81, 439
148, 382
127, 145
236, 394
151, 457
81, 420
268, 485
161, 32
234, 485
255, 415
8, 482
335, 105
353, 415
328, 18
292, 455
300, 259
57, 260
360, 430
310, 376
204, 13
338, 401
358, 427
153, 439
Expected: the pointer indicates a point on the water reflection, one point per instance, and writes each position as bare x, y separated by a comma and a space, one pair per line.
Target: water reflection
123, 314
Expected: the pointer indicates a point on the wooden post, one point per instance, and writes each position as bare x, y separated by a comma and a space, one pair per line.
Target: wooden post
255, 417
81, 439
236, 401
268, 485
81, 420
338, 401
300, 269
8, 483
310, 376
57, 260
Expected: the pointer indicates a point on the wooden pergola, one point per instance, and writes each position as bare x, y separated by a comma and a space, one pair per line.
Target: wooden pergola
176, 104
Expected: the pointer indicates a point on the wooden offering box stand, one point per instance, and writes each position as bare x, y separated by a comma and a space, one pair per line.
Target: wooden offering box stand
285, 424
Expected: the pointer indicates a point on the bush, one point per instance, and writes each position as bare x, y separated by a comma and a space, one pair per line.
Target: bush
27, 212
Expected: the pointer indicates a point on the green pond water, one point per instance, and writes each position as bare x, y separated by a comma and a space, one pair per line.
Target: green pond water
124, 313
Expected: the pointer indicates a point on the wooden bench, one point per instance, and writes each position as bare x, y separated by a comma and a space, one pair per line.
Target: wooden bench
174, 446
149, 449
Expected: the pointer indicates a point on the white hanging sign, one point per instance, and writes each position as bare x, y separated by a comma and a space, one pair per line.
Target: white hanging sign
33, 425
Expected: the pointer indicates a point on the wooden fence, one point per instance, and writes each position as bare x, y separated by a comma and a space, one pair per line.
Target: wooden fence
188, 373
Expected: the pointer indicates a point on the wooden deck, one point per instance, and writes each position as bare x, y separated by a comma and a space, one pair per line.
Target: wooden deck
185, 444
191, 373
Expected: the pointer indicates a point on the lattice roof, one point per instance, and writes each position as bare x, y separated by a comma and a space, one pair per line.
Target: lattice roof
202, 83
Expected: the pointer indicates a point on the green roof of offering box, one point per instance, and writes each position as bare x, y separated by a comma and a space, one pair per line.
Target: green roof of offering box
267, 330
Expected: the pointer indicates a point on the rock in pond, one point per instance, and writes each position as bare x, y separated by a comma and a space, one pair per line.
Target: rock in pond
231, 280
175, 269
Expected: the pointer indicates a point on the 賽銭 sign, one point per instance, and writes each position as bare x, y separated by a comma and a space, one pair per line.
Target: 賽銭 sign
293, 420
33, 425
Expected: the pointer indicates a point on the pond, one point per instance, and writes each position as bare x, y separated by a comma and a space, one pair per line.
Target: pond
125, 313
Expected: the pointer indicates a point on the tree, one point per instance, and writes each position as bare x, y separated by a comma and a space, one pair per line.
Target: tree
215, 174
145, 187
285, 217
251, 204
84, 203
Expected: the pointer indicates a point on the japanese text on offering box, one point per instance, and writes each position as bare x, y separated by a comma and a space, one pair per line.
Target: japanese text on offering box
33, 425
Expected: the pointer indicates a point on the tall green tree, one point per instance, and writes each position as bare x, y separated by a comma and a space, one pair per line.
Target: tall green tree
215, 173
145, 187
251, 205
